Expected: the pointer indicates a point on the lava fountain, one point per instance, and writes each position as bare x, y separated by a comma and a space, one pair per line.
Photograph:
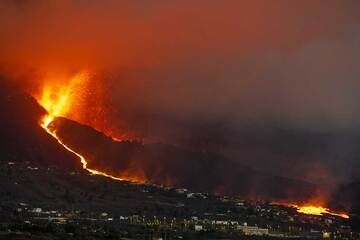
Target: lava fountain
58, 100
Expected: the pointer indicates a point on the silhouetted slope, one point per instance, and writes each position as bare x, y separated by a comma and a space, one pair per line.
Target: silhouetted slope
324, 156
172, 166
21, 138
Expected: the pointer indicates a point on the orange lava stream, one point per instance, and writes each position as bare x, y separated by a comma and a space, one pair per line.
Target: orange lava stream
312, 209
58, 100
317, 210
45, 125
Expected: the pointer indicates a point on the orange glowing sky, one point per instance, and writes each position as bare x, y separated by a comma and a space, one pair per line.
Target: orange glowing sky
161, 55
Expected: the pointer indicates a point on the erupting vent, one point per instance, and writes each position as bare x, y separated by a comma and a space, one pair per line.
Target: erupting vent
58, 101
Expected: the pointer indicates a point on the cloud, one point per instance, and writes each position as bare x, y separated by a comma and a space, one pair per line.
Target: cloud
165, 68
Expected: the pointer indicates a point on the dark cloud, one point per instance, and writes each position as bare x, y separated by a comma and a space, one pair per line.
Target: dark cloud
167, 69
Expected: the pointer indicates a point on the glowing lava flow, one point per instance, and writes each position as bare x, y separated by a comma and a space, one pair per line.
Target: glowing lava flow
58, 101
45, 124
314, 210
317, 210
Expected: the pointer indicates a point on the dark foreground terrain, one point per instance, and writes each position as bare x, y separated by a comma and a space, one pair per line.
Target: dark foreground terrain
49, 203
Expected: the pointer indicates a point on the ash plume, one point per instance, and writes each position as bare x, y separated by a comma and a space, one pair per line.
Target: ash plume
206, 75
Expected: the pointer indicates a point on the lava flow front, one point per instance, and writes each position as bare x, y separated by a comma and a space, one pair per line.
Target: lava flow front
57, 102
313, 209
316, 210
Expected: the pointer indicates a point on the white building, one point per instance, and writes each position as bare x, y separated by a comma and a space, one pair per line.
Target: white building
198, 228
250, 230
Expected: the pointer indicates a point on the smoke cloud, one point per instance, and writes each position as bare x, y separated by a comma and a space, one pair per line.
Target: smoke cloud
194, 72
